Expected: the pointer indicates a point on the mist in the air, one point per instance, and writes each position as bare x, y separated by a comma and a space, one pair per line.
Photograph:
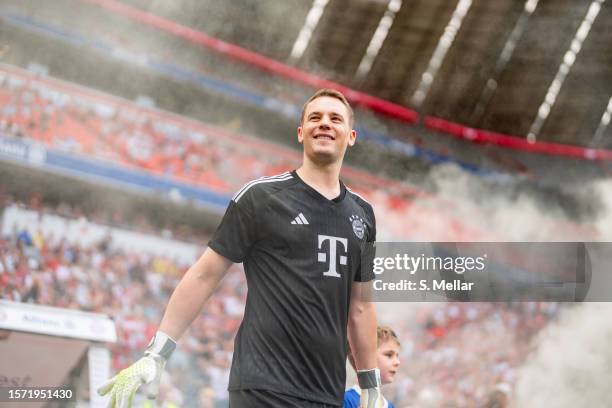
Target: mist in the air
571, 365
514, 211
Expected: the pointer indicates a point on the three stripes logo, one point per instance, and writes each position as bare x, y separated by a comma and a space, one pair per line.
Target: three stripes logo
300, 219
262, 180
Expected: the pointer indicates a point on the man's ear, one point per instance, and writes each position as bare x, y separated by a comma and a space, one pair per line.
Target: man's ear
352, 137
300, 136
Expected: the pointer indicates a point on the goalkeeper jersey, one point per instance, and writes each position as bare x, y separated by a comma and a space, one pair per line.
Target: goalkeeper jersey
301, 254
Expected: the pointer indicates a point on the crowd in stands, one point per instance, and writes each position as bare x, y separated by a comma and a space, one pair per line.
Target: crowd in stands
120, 132
466, 354
453, 354
133, 288
127, 135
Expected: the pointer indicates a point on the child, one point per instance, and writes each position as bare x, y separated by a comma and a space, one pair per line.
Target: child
387, 355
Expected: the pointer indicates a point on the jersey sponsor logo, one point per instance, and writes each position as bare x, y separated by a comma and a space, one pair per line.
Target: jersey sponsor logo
358, 225
300, 219
333, 258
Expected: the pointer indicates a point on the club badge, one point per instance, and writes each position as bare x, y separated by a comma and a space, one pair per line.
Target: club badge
358, 226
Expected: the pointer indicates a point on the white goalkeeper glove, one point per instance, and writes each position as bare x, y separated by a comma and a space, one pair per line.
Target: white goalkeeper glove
147, 370
371, 395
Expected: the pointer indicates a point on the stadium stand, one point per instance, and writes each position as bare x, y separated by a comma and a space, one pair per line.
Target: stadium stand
83, 122
481, 344
152, 48
454, 354
130, 285
461, 354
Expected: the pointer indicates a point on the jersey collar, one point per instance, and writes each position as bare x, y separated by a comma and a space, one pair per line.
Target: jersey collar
320, 196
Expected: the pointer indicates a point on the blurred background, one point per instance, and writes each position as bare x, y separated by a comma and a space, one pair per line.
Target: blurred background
126, 126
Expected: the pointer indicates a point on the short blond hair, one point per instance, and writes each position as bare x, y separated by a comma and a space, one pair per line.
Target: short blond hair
383, 333
332, 93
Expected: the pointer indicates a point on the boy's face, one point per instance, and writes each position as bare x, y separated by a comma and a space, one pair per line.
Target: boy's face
388, 360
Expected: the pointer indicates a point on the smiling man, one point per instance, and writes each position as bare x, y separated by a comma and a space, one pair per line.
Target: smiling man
305, 241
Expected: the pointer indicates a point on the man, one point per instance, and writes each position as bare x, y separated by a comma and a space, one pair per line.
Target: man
306, 244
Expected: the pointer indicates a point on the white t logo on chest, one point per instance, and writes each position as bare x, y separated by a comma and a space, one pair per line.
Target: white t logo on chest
332, 259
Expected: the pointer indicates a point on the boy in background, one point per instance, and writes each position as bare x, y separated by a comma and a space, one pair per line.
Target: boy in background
387, 355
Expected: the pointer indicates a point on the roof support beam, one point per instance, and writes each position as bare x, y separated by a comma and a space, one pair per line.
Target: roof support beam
377, 40
303, 38
445, 42
491, 86
568, 61
603, 125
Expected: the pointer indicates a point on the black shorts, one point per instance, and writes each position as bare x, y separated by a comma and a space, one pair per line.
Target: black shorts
270, 399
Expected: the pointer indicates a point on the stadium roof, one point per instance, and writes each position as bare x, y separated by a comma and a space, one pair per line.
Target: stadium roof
533, 68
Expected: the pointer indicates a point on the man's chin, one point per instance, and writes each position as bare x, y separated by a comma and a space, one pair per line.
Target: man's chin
323, 157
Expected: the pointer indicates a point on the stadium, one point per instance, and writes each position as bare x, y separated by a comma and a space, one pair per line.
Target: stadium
127, 126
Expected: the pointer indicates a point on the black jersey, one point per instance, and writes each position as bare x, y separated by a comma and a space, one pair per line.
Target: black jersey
301, 254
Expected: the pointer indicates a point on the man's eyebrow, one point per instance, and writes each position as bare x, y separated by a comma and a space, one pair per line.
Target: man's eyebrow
330, 113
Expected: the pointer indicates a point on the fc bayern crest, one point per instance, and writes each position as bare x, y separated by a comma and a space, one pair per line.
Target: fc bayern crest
358, 226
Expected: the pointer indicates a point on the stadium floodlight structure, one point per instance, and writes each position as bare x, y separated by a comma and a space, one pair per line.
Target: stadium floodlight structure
444, 44
603, 125
303, 38
49, 347
566, 65
377, 40
502, 60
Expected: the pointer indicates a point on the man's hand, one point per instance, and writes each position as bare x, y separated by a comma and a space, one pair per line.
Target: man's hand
123, 386
147, 370
371, 395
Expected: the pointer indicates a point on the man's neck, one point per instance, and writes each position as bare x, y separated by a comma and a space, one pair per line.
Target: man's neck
324, 179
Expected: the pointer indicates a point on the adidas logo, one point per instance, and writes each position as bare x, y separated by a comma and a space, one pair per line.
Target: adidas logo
300, 219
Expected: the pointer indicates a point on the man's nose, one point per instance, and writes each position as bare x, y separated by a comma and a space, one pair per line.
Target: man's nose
324, 122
